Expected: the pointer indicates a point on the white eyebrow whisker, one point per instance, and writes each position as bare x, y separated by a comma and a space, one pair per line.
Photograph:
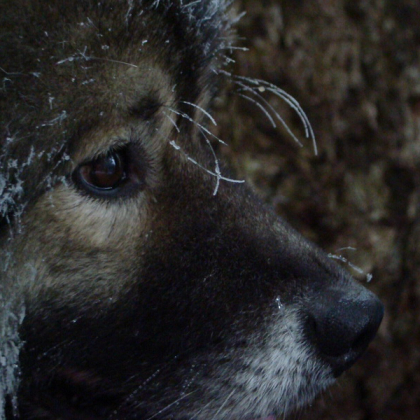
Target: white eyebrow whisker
202, 110
254, 101
192, 160
290, 100
186, 116
172, 121
204, 131
261, 86
255, 91
217, 165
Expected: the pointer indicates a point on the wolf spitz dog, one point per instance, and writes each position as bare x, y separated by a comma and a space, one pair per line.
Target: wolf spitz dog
143, 279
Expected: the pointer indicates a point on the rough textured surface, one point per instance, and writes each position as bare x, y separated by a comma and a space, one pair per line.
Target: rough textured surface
354, 66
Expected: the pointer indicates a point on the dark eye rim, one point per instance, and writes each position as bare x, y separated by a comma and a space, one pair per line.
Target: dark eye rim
133, 181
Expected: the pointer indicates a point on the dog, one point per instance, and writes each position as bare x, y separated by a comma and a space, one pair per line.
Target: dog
143, 280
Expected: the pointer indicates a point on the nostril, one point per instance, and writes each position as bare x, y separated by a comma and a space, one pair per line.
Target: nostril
332, 334
341, 329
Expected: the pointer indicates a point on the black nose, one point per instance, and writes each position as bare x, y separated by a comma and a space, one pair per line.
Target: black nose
341, 325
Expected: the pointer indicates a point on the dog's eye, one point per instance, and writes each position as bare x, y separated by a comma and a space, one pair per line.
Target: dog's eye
118, 173
104, 173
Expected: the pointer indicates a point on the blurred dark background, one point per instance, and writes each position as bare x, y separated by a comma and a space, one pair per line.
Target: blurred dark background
354, 66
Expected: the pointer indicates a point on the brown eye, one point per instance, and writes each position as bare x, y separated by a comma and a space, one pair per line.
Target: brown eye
104, 173
116, 174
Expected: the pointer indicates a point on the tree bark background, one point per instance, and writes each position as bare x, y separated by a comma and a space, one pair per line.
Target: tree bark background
354, 66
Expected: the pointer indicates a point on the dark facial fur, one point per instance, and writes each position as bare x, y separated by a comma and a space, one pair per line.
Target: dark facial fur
175, 293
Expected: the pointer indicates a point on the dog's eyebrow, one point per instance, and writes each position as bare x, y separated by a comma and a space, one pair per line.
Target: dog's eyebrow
144, 108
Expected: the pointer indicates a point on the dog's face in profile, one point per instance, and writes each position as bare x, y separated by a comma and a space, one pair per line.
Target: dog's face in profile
155, 284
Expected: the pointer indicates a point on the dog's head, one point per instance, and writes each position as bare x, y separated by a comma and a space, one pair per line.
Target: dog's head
156, 285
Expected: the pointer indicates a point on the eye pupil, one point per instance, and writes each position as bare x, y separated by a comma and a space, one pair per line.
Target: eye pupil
105, 172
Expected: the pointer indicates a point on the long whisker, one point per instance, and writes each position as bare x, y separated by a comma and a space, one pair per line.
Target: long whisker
261, 86
186, 116
177, 147
202, 110
291, 101
254, 101
255, 91
216, 173
217, 166
172, 121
